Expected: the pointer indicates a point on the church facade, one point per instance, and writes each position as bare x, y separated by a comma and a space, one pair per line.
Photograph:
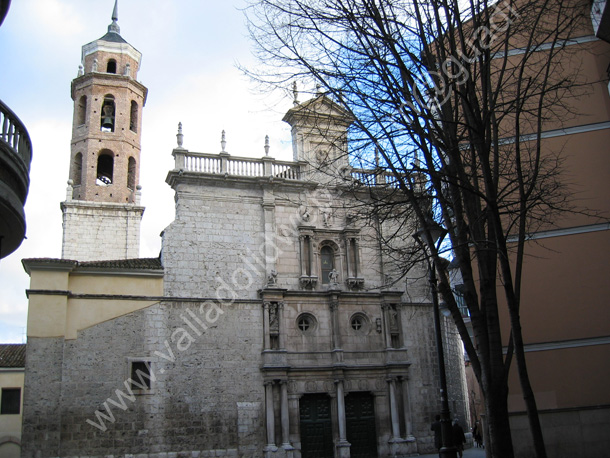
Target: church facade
269, 326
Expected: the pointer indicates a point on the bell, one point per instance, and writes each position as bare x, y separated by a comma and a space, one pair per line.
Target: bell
108, 122
108, 116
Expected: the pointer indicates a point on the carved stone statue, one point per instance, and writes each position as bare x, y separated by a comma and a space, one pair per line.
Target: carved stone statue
333, 276
272, 278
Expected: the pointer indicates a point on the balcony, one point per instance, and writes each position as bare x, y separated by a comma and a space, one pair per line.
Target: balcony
15, 159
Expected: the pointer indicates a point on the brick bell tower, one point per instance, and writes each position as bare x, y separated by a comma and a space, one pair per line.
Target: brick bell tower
102, 212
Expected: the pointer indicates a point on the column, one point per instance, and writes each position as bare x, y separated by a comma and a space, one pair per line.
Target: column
270, 246
356, 258
394, 409
334, 321
280, 324
386, 324
310, 257
348, 263
406, 399
270, 416
302, 242
343, 446
266, 336
284, 415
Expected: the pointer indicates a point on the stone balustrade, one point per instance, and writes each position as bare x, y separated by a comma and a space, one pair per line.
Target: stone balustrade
374, 177
224, 163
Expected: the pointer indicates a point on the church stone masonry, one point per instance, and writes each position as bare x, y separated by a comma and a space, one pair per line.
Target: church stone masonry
267, 327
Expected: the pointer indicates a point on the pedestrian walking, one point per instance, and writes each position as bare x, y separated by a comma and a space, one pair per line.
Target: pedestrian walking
476, 434
436, 427
458, 437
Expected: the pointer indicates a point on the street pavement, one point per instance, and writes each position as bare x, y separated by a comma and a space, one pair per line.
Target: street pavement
472, 452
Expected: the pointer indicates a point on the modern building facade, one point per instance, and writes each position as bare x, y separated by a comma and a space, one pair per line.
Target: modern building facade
12, 368
564, 305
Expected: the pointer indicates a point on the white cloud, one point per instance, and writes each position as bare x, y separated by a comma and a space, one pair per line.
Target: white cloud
58, 18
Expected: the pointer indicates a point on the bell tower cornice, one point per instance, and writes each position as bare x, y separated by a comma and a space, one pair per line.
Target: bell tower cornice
107, 79
102, 45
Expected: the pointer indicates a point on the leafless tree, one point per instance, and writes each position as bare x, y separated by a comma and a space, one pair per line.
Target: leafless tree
450, 99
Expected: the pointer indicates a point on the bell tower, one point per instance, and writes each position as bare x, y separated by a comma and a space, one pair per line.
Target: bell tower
102, 212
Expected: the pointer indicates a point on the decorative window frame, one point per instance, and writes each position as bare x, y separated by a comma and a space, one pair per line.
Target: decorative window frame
313, 323
365, 323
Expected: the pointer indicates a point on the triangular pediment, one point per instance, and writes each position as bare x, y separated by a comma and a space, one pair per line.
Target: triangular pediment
320, 106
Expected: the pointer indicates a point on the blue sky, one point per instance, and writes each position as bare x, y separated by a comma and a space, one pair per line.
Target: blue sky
190, 50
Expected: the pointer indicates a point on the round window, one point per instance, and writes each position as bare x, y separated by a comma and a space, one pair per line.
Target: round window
359, 323
306, 323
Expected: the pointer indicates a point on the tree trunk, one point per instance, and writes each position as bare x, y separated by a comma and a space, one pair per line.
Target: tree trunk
501, 444
526, 387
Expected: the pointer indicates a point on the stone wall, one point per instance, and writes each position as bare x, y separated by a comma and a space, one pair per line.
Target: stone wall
212, 247
205, 396
100, 231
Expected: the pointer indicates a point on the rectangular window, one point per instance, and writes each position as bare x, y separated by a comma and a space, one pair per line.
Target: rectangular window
10, 404
141, 376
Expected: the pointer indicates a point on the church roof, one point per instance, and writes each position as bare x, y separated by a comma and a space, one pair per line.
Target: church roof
113, 37
117, 264
114, 31
12, 355
137, 263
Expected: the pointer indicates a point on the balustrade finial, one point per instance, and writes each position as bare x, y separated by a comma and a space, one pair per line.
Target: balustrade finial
266, 145
295, 93
179, 136
223, 141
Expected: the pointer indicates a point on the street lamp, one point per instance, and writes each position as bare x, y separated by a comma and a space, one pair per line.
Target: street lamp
432, 236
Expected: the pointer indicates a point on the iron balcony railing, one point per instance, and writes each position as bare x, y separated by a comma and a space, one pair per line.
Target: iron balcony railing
15, 138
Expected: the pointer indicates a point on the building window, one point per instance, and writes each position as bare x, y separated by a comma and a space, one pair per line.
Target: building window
133, 117
77, 169
306, 323
10, 403
131, 173
360, 323
108, 112
327, 263
140, 375
111, 67
105, 168
81, 111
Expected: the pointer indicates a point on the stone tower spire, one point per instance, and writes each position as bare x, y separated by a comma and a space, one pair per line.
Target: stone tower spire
102, 212
114, 27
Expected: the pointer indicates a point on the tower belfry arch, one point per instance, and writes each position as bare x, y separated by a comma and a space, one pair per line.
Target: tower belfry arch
102, 211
